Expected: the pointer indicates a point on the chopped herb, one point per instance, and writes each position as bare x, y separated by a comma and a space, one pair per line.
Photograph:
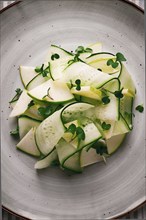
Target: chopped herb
43, 71
105, 126
106, 100
71, 129
78, 84
16, 97
31, 103
100, 147
55, 56
119, 94
140, 108
15, 132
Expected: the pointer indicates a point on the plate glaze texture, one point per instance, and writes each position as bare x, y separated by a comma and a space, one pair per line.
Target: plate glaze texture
101, 191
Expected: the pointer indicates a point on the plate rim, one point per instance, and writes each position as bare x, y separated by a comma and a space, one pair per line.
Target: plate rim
4, 208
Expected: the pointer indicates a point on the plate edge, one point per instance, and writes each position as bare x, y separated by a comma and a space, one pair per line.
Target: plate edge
116, 216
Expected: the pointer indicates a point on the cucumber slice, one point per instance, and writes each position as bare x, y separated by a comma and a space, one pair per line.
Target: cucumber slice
126, 81
105, 133
88, 75
52, 91
21, 105
25, 124
89, 157
73, 111
27, 73
99, 61
46, 161
109, 112
114, 143
68, 157
36, 81
126, 105
120, 127
89, 100
58, 50
28, 145
92, 134
32, 112
49, 132
88, 91
57, 67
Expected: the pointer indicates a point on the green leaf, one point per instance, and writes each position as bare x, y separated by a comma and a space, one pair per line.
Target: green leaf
78, 84
120, 57
55, 56
31, 103
15, 132
105, 126
100, 147
71, 129
115, 64
140, 108
106, 100
110, 62
80, 49
89, 50
43, 71
49, 110
37, 69
16, 97
45, 111
80, 134
119, 94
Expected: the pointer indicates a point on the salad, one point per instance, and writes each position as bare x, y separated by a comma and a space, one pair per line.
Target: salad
75, 109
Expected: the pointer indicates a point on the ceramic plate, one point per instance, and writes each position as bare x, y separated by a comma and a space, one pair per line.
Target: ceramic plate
102, 191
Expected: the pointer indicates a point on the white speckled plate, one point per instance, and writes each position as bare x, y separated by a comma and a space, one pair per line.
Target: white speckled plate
102, 191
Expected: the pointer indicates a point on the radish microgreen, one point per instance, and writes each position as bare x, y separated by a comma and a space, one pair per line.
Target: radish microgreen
78, 84
119, 58
43, 71
16, 97
105, 126
15, 132
55, 56
106, 100
140, 108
